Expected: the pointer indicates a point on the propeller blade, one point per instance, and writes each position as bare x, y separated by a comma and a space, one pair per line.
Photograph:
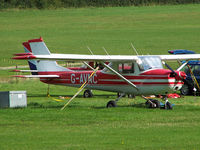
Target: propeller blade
169, 67
179, 76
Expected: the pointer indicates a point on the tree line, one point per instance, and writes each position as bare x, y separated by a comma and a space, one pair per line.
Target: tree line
48, 4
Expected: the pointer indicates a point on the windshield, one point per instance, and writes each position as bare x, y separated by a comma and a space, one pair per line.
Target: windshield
149, 62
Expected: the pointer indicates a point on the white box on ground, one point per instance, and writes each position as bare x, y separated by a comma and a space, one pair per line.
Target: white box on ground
13, 99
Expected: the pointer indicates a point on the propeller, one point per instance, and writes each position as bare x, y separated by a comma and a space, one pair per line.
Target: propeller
179, 76
169, 68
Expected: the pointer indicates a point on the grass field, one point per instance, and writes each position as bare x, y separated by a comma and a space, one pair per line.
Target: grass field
86, 123
152, 30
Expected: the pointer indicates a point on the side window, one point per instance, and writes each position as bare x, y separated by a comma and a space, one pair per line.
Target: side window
196, 70
126, 68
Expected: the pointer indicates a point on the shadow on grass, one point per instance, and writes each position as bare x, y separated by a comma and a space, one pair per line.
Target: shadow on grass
59, 106
139, 105
39, 105
79, 96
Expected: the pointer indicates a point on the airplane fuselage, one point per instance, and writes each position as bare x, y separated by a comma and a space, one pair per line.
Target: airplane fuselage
155, 81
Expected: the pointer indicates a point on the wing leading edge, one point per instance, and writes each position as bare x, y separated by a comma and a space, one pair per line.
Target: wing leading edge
37, 76
110, 58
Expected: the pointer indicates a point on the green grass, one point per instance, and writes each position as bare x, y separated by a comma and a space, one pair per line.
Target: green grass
152, 30
86, 123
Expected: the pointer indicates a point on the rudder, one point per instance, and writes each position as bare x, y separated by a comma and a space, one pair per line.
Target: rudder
38, 47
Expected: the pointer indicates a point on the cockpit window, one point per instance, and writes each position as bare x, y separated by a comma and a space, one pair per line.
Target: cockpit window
149, 62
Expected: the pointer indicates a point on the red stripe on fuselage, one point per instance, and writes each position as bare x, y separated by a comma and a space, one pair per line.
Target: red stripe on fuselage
101, 75
57, 81
73, 77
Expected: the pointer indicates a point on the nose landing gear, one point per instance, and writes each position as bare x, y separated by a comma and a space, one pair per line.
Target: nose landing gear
153, 103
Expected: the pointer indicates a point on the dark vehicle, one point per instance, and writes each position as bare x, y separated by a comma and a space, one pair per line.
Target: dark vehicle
190, 86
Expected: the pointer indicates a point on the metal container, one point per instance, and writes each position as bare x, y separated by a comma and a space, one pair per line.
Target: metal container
13, 99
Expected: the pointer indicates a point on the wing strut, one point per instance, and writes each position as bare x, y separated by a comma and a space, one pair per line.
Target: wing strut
119, 75
183, 65
88, 65
81, 88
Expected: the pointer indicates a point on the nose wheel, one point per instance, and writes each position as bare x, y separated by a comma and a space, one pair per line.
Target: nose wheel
153, 103
167, 105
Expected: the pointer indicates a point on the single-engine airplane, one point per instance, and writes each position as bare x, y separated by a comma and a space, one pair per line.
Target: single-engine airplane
136, 74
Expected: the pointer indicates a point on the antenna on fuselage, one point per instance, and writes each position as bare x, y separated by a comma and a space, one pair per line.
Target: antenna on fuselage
90, 50
134, 49
105, 51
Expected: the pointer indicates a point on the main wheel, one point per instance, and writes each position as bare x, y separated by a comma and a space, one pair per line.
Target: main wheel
111, 104
87, 94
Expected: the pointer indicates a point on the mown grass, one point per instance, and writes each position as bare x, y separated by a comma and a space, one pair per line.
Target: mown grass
87, 124
152, 30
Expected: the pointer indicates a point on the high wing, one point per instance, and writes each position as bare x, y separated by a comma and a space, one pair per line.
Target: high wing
110, 58
77, 57
180, 57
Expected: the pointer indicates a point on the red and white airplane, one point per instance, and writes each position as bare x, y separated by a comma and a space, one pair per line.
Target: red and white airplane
137, 75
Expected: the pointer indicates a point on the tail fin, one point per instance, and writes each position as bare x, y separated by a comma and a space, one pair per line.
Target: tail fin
38, 47
32, 63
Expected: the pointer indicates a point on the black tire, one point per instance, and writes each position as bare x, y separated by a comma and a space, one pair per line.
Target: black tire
111, 104
153, 104
185, 90
168, 105
87, 94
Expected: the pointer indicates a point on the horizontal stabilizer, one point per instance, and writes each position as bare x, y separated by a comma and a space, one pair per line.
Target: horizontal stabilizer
22, 54
15, 70
24, 57
37, 76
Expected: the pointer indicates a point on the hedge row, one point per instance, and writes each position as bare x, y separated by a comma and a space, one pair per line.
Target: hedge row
46, 4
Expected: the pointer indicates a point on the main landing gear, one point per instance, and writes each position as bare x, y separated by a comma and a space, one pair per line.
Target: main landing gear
153, 103
87, 94
113, 103
150, 103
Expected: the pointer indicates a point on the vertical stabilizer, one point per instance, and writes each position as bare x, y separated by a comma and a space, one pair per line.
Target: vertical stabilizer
38, 47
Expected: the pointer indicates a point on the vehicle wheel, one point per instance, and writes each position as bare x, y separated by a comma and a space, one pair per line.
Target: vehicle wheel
87, 94
185, 90
168, 105
155, 103
111, 104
